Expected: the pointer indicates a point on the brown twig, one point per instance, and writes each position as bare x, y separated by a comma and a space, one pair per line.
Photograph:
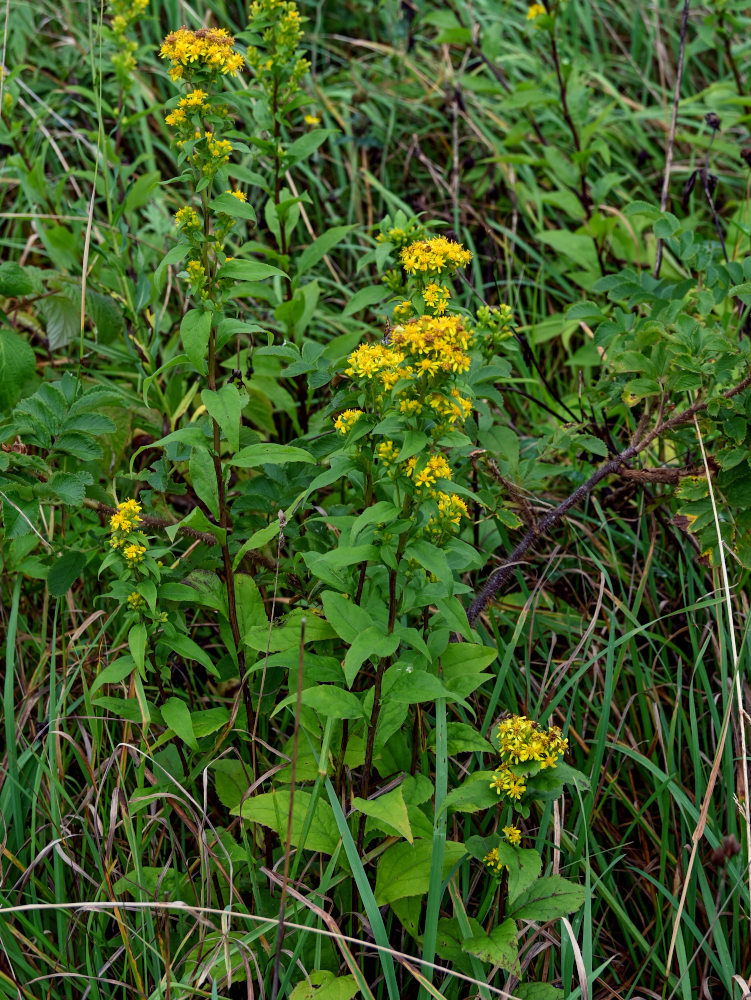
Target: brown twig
639, 443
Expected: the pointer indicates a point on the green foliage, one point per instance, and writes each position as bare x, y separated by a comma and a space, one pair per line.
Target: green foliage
307, 322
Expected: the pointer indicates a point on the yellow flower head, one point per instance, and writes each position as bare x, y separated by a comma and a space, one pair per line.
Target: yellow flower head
312, 120
535, 10
187, 218
207, 49
135, 601
512, 834
134, 553
347, 420
126, 517
434, 256
240, 195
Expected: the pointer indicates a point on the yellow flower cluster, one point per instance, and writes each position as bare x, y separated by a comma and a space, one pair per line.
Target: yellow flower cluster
196, 272
535, 10
436, 297
134, 553
208, 49
347, 420
125, 520
520, 740
125, 13
451, 510
377, 361
387, 453
135, 601
430, 472
187, 218
276, 62
434, 256
434, 344
493, 861
512, 834
240, 195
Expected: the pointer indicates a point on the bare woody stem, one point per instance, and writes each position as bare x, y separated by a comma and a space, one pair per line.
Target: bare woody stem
500, 575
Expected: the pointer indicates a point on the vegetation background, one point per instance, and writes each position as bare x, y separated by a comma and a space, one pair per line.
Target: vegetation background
131, 864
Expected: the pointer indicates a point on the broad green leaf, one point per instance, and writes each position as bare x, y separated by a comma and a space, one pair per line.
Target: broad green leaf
62, 320
190, 650
233, 207
14, 280
203, 479
462, 738
307, 144
432, 559
388, 810
248, 270
256, 455
63, 573
225, 407
176, 715
257, 540
499, 947
404, 869
68, 487
373, 642
251, 611
173, 256
331, 702
137, 644
272, 809
17, 364
346, 617
324, 985
418, 686
195, 330
548, 898
115, 672
538, 991
473, 794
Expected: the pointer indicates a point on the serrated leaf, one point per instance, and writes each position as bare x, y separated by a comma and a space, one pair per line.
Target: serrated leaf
14, 280
272, 809
324, 985
62, 320
548, 898
499, 947
17, 364
404, 869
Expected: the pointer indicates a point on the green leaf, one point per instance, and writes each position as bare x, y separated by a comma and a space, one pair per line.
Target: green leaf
176, 715
473, 794
225, 407
432, 559
68, 487
364, 298
203, 479
331, 702
257, 541
324, 985
251, 611
539, 991
347, 618
233, 207
389, 810
499, 947
272, 809
321, 246
255, 455
173, 256
62, 320
63, 574
548, 898
190, 650
404, 869
17, 364
195, 330
307, 144
372, 643
248, 270
14, 280
137, 644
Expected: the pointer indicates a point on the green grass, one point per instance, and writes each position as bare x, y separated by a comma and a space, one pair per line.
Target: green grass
121, 866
